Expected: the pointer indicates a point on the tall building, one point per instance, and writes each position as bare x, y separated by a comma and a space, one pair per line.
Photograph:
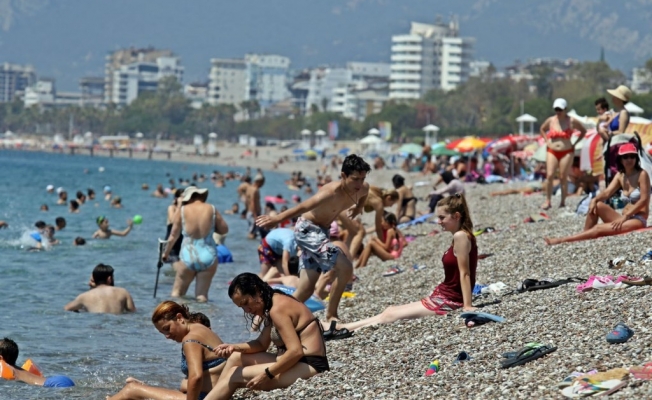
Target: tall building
15, 78
258, 77
131, 71
429, 57
92, 91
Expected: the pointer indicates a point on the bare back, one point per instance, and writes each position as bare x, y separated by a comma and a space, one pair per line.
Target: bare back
198, 219
333, 199
253, 200
106, 299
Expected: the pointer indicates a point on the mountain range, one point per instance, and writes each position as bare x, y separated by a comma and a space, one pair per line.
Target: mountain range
69, 39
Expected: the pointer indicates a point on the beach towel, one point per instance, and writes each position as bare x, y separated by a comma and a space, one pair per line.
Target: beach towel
418, 220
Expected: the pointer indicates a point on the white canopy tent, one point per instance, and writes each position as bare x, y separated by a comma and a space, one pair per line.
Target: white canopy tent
522, 120
212, 135
373, 131
373, 143
320, 136
428, 129
633, 108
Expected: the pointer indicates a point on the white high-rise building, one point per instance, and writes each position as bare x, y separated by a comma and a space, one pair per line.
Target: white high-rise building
15, 78
262, 78
429, 57
127, 81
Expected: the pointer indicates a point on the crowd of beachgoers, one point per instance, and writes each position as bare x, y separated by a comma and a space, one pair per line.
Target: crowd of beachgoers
354, 255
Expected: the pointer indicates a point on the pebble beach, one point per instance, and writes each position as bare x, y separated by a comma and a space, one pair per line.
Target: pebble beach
389, 361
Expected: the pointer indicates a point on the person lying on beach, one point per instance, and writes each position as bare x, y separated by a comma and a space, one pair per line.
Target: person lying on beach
460, 262
390, 249
311, 231
31, 374
635, 185
275, 251
201, 366
103, 297
281, 320
105, 232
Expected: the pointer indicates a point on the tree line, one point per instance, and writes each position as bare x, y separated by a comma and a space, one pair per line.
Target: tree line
485, 106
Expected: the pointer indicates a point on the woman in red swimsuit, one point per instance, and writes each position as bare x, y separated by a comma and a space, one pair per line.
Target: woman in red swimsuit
561, 149
460, 262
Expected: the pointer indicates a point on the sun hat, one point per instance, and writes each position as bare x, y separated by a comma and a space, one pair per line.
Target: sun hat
559, 103
190, 190
622, 92
627, 148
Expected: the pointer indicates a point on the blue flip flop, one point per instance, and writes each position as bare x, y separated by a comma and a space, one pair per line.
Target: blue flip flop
492, 317
620, 334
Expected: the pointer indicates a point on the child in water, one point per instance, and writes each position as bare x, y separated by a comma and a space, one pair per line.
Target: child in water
105, 232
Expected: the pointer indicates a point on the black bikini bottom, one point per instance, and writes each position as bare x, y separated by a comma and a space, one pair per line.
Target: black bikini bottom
319, 363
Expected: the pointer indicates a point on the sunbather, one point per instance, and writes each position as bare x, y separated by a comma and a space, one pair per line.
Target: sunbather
390, 249
459, 261
635, 184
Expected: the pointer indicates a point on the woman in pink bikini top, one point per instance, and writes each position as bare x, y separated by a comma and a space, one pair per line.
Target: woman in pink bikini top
560, 148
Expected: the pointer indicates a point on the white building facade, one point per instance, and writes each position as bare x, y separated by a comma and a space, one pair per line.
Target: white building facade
641, 80
44, 95
128, 81
429, 57
262, 78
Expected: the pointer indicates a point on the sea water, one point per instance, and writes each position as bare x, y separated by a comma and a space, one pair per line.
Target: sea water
99, 351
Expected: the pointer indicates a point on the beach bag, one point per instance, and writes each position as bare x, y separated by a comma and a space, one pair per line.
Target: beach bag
583, 206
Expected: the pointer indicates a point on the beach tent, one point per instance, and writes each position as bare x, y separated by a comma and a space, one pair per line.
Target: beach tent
410, 148
522, 120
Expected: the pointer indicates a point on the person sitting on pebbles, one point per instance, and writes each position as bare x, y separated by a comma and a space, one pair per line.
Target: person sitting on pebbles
635, 185
456, 291
105, 232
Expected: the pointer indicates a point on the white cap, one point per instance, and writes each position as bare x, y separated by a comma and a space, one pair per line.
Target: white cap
560, 103
49, 187
59, 189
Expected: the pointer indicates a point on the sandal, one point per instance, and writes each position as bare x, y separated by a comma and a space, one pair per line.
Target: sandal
527, 354
338, 334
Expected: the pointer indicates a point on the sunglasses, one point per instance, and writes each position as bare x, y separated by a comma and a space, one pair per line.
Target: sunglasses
558, 110
629, 157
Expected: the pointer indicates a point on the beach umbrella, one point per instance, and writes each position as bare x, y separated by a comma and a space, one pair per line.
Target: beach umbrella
371, 139
311, 154
212, 135
320, 133
467, 145
373, 131
305, 132
443, 151
410, 148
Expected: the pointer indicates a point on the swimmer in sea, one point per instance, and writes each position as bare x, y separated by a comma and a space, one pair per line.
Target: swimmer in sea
45, 208
73, 207
105, 232
3, 224
30, 375
116, 202
79, 241
60, 223
235, 209
63, 198
103, 297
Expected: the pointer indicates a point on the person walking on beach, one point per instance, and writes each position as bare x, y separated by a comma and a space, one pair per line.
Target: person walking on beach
105, 232
558, 131
318, 254
197, 221
103, 297
460, 262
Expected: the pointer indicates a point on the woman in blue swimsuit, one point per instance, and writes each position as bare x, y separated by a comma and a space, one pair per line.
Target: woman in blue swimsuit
198, 343
197, 221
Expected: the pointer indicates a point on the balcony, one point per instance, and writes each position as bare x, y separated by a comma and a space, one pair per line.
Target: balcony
417, 48
404, 86
405, 57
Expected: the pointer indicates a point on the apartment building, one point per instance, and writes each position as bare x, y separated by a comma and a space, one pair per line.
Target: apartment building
15, 78
428, 57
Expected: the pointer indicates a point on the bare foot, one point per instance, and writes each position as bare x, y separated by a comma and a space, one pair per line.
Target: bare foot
546, 205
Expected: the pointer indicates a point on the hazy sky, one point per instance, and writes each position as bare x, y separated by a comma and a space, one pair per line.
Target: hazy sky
68, 39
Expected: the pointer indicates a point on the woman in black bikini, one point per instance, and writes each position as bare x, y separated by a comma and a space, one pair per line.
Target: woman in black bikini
282, 320
406, 206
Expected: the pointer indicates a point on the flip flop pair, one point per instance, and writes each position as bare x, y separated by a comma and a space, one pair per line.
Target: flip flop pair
334, 334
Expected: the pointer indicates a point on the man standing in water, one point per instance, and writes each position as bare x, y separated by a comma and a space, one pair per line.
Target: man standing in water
318, 254
103, 297
253, 205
